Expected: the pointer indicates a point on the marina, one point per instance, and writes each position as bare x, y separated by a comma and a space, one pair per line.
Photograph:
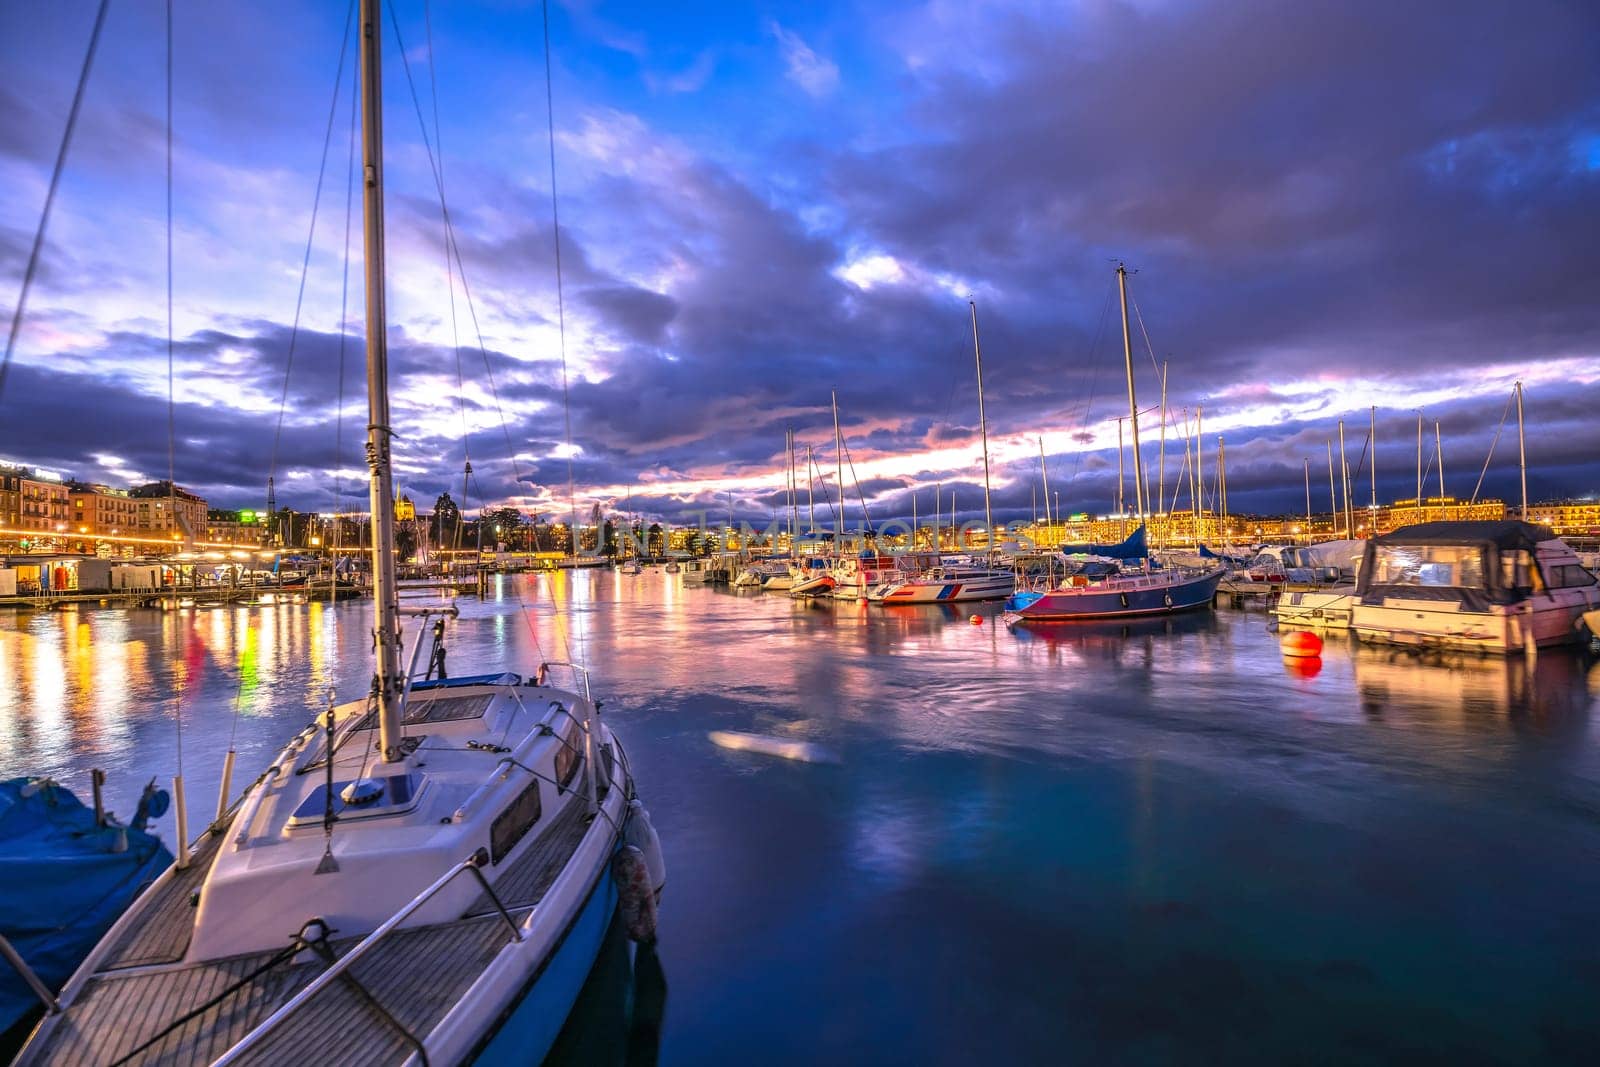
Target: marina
1102, 795
417, 650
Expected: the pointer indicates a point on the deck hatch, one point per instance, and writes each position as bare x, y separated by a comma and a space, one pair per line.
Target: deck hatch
446, 708
401, 792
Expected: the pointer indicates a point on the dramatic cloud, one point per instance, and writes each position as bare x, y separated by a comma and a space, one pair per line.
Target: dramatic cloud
1326, 207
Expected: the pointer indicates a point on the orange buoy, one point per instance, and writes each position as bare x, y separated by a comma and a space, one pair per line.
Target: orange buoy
976, 620
1300, 644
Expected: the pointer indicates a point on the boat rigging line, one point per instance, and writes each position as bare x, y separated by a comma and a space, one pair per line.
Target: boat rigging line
305, 265
1094, 373
181, 852
453, 246
449, 263
1505, 414
55, 183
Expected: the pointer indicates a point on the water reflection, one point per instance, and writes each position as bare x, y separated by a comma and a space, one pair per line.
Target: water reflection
1547, 696
1223, 855
617, 1019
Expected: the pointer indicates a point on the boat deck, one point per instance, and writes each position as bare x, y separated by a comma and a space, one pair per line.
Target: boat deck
144, 1007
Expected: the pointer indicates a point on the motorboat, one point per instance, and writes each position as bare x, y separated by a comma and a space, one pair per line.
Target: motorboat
854, 575
1316, 609
759, 573
1494, 587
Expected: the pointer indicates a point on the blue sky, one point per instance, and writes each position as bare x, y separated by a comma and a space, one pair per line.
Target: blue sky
1330, 206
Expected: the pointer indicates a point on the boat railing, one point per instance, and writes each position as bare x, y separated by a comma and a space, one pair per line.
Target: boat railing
286, 759
580, 674
473, 863
589, 721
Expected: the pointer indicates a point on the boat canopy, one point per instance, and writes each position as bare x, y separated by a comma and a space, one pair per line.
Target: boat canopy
1506, 533
1472, 563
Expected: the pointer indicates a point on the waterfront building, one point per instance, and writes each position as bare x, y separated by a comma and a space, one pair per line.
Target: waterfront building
1568, 518
11, 498
43, 508
1437, 509
171, 511
98, 510
243, 528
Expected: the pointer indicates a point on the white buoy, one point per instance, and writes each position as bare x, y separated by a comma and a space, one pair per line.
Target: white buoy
642, 835
803, 751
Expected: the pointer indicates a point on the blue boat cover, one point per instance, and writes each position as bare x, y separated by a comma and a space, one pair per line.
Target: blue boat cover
63, 882
1133, 548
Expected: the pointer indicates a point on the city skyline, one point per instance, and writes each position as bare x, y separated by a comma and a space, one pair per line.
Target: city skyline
1357, 207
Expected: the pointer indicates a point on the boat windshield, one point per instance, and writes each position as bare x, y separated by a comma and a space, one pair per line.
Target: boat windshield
1455, 566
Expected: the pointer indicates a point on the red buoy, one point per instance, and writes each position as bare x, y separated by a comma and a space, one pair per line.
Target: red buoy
976, 620
1298, 644
1303, 666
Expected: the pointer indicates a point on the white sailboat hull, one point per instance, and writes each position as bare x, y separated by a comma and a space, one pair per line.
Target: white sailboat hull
492, 975
949, 590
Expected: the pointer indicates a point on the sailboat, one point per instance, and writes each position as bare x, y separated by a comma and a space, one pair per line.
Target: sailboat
426, 875
1107, 590
956, 580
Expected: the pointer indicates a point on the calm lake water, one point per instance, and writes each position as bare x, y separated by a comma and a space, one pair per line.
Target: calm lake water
1093, 844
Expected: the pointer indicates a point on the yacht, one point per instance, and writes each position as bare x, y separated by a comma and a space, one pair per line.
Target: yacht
1495, 587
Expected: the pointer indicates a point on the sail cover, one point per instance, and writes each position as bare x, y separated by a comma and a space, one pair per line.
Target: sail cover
63, 882
1133, 548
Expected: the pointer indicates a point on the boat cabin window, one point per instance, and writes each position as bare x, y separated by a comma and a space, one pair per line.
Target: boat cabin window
1455, 566
512, 824
1517, 570
1568, 576
567, 756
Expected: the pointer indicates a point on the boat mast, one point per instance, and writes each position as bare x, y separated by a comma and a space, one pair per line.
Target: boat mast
1122, 511
1161, 454
983, 429
1522, 455
1222, 487
1372, 465
1344, 480
1307, 463
938, 502
838, 459
1199, 471
1133, 404
1333, 497
1044, 472
387, 680
1419, 466
1438, 454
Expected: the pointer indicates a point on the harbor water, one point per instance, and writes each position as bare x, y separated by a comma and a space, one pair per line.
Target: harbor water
1153, 843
